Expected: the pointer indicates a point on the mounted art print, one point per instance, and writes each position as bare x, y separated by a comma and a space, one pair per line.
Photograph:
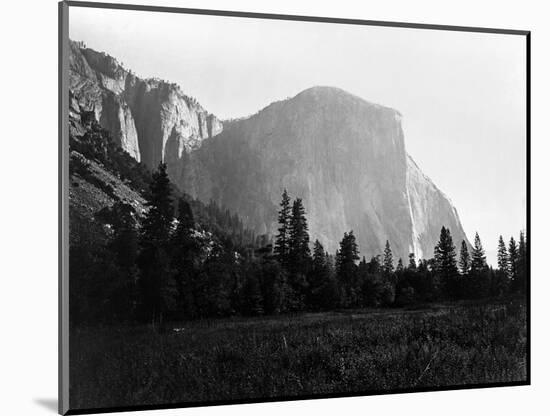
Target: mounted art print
261, 207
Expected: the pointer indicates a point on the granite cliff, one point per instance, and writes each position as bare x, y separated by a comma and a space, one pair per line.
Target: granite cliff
151, 119
344, 156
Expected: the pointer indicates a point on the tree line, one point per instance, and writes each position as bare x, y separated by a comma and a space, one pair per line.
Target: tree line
166, 265
320, 281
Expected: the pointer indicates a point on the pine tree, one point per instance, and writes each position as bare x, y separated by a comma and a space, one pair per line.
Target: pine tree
282, 239
445, 263
464, 262
479, 272
158, 220
502, 257
319, 271
299, 256
479, 262
346, 268
153, 260
412, 261
124, 246
522, 271
522, 246
184, 252
298, 241
374, 266
399, 267
186, 220
274, 286
347, 255
323, 293
329, 261
319, 255
124, 243
371, 282
388, 259
513, 260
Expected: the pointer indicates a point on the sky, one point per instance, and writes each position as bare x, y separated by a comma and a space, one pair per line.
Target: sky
462, 95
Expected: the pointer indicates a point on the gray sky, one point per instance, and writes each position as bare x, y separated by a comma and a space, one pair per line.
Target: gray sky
462, 95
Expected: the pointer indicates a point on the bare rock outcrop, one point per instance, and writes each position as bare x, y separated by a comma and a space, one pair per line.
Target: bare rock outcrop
151, 119
344, 156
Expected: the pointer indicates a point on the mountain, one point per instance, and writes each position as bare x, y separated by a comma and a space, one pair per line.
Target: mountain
103, 177
344, 156
151, 119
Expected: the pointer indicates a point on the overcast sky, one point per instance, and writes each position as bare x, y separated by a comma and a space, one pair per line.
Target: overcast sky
462, 95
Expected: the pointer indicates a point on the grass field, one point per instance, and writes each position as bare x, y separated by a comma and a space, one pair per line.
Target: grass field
247, 358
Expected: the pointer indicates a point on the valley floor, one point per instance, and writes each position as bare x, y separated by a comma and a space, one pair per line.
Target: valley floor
302, 355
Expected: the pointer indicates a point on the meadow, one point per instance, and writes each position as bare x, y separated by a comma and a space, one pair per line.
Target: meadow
299, 355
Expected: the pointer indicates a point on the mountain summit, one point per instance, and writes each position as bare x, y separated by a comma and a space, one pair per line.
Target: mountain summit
344, 156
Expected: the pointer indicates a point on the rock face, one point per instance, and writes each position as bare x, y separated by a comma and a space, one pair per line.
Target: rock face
151, 119
430, 209
345, 157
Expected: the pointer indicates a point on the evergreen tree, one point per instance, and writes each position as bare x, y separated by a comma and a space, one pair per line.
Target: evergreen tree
374, 266
480, 278
464, 262
185, 252
212, 286
160, 213
319, 271
347, 256
298, 241
399, 267
445, 263
513, 260
412, 262
323, 291
502, 257
319, 255
124, 246
125, 237
299, 256
371, 282
520, 284
426, 284
388, 259
282, 239
479, 262
346, 268
153, 260
274, 286
500, 277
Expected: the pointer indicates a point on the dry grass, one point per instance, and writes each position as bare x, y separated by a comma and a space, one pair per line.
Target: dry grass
299, 355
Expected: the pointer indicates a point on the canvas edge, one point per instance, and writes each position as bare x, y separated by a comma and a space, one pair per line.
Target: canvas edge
283, 399
528, 194
63, 209
289, 17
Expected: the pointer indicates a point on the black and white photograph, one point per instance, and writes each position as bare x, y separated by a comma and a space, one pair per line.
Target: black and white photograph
271, 208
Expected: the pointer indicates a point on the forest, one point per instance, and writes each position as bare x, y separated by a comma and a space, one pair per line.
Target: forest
183, 260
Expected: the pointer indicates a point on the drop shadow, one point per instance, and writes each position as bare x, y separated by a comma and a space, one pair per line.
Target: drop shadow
49, 404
